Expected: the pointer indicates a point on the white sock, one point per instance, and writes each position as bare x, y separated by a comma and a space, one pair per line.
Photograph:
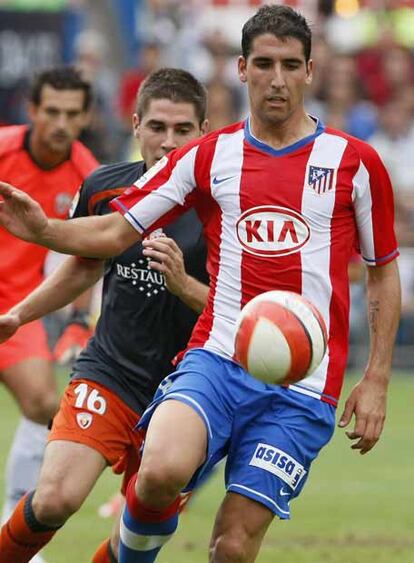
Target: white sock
23, 463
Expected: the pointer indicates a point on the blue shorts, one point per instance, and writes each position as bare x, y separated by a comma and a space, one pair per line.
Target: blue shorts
270, 434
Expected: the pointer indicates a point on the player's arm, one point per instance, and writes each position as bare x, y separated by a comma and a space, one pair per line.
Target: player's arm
96, 236
167, 258
71, 279
368, 399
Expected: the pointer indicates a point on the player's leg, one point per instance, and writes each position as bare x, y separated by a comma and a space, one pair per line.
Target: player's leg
68, 474
239, 529
128, 465
23, 463
32, 384
26, 370
274, 441
190, 424
175, 447
107, 551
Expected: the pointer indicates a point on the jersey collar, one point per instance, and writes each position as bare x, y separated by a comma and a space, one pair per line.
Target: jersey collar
252, 140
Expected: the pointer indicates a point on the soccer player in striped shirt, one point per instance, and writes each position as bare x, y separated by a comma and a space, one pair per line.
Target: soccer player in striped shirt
282, 199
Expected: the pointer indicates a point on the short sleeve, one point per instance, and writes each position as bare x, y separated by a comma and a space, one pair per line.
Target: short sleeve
374, 210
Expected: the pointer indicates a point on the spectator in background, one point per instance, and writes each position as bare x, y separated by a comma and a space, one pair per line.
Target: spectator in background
223, 94
384, 70
221, 107
102, 136
342, 103
149, 61
395, 143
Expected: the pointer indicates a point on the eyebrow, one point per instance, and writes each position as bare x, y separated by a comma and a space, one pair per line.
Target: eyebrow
180, 124
262, 58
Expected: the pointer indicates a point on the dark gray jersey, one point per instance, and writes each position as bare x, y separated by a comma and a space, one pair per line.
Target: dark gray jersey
141, 326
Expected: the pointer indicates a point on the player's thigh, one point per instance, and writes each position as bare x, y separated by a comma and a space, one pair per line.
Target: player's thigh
274, 445
93, 415
68, 474
240, 526
176, 440
33, 385
190, 420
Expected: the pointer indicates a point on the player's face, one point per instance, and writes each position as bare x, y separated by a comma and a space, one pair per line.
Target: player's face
166, 126
58, 119
276, 74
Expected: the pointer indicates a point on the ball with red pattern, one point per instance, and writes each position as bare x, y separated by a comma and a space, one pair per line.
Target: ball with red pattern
281, 337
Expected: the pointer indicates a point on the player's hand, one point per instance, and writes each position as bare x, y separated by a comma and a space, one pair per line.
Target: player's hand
21, 215
73, 340
166, 257
9, 323
368, 402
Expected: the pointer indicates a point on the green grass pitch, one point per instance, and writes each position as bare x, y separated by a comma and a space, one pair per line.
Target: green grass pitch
354, 509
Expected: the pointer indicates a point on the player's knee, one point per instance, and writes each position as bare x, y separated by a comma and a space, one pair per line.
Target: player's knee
229, 548
159, 484
40, 408
52, 505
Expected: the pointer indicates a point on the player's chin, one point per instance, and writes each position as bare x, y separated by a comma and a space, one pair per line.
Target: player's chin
59, 145
277, 117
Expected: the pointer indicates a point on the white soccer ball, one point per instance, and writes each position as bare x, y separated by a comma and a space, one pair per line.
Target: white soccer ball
281, 337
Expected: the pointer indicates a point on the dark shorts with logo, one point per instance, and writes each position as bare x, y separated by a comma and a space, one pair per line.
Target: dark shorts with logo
270, 434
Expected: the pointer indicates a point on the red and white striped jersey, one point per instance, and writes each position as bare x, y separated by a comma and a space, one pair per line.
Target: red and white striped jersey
275, 219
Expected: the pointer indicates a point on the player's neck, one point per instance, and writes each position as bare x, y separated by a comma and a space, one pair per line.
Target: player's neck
283, 134
43, 156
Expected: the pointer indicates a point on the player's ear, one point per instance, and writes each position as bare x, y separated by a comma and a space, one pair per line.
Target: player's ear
241, 67
204, 127
136, 122
86, 118
32, 110
309, 72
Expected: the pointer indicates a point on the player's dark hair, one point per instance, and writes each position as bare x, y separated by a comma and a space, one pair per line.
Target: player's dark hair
60, 78
172, 84
280, 21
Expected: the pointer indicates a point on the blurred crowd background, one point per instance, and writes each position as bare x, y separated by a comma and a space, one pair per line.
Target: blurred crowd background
363, 83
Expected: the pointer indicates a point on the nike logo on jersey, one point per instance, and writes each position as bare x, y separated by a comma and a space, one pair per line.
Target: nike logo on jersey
217, 181
284, 493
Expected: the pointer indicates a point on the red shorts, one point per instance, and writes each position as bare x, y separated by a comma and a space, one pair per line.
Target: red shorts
30, 341
91, 414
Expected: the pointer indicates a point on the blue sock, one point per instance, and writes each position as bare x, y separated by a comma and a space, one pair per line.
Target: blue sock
143, 530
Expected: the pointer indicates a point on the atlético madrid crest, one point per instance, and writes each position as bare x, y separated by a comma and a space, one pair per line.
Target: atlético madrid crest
84, 419
321, 180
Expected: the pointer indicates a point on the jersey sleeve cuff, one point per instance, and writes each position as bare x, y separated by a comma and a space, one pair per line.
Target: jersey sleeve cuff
382, 260
117, 205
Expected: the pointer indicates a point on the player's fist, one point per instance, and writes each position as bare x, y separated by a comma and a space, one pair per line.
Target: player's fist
73, 340
9, 323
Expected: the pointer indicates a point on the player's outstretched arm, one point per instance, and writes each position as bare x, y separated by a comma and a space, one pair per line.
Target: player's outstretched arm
70, 279
95, 236
368, 399
167, 258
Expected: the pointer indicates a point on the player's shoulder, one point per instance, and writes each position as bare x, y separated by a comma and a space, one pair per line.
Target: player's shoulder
83, 159
115, 175
12, 138
111, 177
363, 150
207, 142
213, 136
